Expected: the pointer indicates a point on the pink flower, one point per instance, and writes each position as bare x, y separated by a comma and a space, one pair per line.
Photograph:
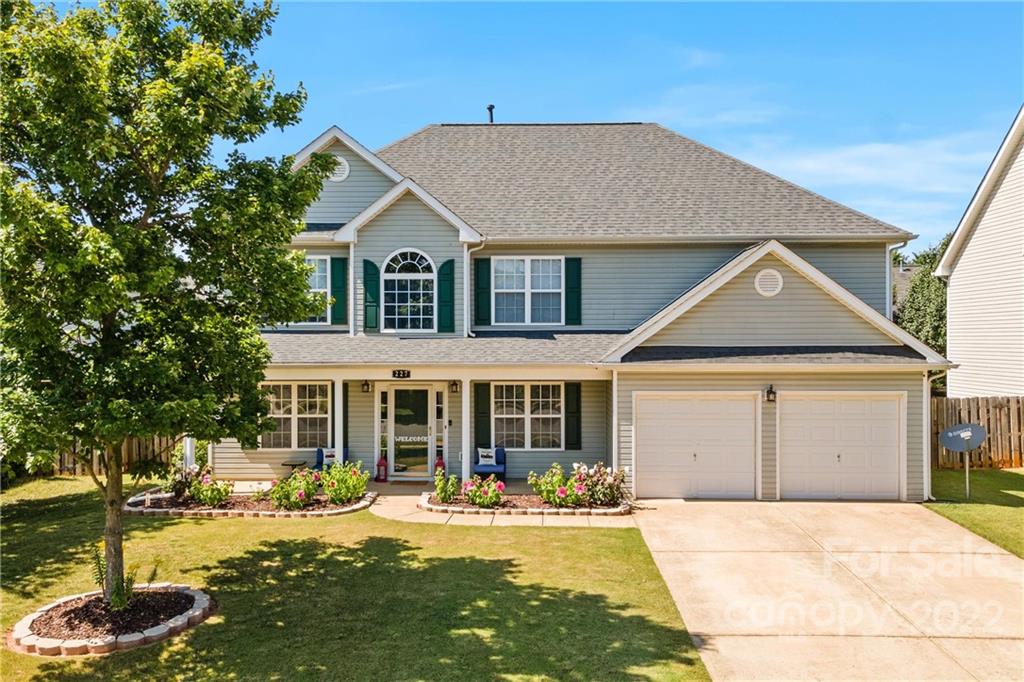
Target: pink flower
580, 489
274, 482
562, 492
301, 494
316, 476
206, 479
468, 485
500, 486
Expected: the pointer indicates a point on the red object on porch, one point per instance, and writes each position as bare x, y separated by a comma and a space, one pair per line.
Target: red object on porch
382, 470
439, 463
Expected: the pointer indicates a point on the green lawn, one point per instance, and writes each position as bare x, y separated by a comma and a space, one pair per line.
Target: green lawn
357, 597
995, 510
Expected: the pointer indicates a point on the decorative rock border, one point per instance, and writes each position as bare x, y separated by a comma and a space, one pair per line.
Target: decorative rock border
133, 507
623, 509
23, 641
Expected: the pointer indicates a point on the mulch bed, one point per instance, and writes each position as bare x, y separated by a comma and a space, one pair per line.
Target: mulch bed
88, 617
240, 503
507, 502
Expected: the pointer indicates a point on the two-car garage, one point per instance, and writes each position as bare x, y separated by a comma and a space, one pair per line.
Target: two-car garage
821, 444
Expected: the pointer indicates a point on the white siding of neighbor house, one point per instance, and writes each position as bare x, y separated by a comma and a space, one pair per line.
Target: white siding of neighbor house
339, 202
737, 315
910, 382
624, 285
408, 223
985, 299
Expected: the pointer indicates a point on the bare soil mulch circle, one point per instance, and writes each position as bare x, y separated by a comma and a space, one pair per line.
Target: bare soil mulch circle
89, 617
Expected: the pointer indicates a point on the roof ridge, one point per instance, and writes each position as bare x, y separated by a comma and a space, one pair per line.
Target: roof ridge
555, 123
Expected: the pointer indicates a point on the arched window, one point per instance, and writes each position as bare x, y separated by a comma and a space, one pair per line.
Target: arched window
409, 285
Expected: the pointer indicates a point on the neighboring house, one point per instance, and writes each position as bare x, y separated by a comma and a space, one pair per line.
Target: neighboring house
901, 276
984, 267
596, 292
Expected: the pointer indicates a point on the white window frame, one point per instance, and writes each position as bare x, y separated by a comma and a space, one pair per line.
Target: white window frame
384, 276
527, 291
327, 291
528, 433
295, 415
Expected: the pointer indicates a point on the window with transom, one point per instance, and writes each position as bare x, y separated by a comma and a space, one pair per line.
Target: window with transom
409, 285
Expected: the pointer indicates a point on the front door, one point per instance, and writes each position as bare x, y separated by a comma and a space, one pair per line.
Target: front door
411, 430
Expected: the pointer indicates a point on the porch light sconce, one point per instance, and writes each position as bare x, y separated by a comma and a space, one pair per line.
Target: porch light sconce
769, 394
366, 386
454, 386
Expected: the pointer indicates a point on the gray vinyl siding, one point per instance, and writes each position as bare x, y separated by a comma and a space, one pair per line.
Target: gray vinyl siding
985, 300
408, 223
360, 426
623, 286
339, 202
801, 314
593, 403
909, 382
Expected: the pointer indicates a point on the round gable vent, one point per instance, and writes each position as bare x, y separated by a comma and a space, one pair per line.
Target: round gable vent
341, 170
768, 282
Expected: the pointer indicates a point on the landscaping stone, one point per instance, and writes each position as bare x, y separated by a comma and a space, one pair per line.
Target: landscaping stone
102, 645
195, 616
29, 643
156, 633
130, 641
74, 647
48, 647
177, 624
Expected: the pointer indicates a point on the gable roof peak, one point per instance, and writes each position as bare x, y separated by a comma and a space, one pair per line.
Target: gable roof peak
335, 134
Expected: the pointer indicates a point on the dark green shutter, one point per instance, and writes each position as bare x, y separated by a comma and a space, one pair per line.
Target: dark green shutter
339, 290
446, 297
344, 417
482, 415
573, 417
482, 291
371, 295
574, 291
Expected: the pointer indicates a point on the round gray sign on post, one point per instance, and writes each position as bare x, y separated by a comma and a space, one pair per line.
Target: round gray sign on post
963, 437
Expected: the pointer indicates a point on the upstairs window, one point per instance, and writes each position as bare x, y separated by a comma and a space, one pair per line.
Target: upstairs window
528, 290
320, 284
410, 281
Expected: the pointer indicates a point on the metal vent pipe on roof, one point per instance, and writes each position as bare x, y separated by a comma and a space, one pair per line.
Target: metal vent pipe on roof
490, 113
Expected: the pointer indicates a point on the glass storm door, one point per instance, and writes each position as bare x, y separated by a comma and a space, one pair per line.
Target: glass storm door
411, 429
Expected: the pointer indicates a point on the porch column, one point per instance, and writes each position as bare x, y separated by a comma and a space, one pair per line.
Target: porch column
339, 423
467, 446
190, 452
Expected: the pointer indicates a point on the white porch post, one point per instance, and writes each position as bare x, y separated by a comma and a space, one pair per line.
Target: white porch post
339, 422
190, 451
467, 446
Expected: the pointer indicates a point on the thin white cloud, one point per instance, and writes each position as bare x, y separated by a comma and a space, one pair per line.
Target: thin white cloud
704, 105
690, 58
386, 87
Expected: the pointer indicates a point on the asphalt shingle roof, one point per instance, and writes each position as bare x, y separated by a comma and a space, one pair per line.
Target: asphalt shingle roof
778, 354
612, 181
305, 347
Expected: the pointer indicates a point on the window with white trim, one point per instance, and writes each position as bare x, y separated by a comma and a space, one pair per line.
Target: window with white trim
302, 412
409, 285
528, 416
320, 284
528, 290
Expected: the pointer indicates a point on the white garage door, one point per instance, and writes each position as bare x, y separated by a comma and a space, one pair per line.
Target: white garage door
695, 445
840, 447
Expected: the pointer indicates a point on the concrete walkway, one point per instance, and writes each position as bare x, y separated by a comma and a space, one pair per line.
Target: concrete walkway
839, 591
403, 508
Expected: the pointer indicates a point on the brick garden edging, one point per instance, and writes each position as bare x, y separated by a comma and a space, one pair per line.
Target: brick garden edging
623, 509
134, 507
23, 641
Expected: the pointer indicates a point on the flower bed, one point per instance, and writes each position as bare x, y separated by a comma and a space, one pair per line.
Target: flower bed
154, 503
83, 624
516, 504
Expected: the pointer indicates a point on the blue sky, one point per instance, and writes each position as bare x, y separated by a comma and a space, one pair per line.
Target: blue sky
894, 109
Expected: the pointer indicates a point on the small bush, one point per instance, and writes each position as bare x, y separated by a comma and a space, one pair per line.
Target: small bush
598, 486
179, 480
296, 491
207, 491
445, 489
344, 483
485, 493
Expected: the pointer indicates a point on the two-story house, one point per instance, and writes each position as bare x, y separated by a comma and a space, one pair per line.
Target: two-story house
596, 292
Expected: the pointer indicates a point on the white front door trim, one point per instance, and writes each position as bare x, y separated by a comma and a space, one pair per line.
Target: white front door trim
753, 395
432, 388
901, 397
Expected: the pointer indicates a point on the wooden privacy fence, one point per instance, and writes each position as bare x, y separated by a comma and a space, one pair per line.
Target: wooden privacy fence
1002, 417
135, 450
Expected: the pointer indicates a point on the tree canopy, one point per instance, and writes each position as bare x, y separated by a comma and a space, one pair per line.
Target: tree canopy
923, 311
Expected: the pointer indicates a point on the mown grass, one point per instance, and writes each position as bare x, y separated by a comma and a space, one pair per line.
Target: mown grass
357, 597
995, 510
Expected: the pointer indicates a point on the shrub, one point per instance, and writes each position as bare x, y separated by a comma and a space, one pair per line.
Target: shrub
485, 493
207, 491
597, 486
296, 491
446, 489
344, 483
179, 480
124, 590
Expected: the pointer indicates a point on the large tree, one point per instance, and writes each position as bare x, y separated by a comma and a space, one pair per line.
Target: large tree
137, 269
923, 310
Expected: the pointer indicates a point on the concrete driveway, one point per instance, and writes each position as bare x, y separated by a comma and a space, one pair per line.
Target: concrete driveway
829, 590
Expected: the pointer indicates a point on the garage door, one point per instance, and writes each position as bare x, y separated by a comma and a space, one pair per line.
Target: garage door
695, 445
840, 447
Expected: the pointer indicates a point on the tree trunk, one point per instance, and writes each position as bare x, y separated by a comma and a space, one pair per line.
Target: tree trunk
113, 531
